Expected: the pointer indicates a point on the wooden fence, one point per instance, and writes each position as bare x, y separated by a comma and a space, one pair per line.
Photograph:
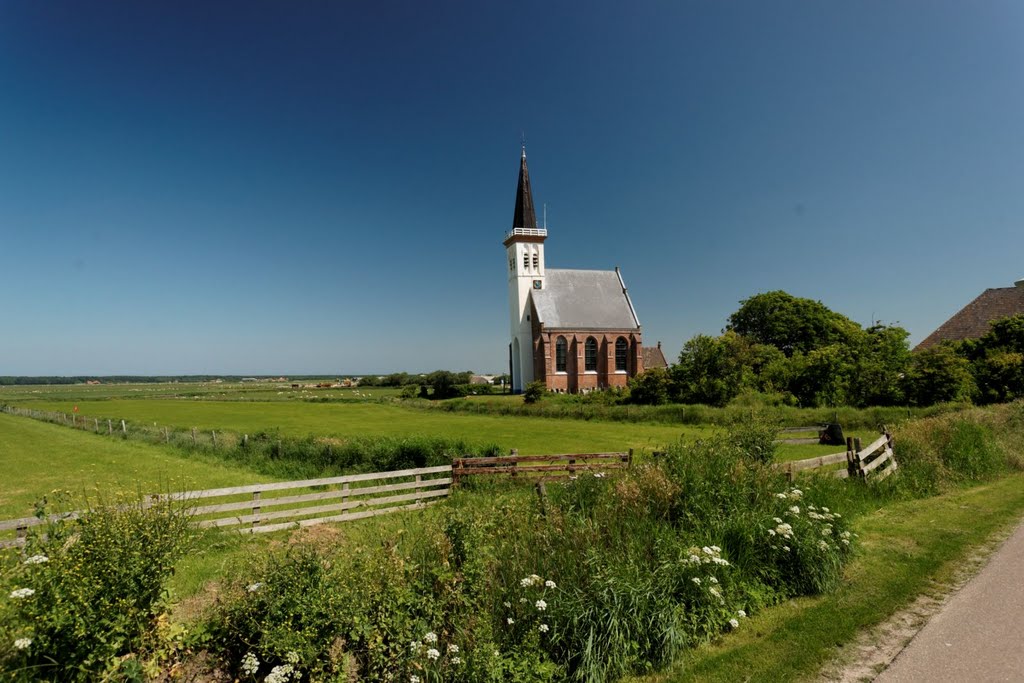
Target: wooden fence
877, 460
549, 466
308, 502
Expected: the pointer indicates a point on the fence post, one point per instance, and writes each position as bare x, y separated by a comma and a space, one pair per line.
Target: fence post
213, 435
124, 427
167, 436
515, 454
255, 507
97, 421
542, 497
193, 436
851, 465
110, 428
344, 492
789, 472
856, 457
629, 459
245, 440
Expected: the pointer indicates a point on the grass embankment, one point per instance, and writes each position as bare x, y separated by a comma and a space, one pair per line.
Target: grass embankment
37, 458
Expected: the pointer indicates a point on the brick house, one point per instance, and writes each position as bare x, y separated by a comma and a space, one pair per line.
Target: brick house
576, 330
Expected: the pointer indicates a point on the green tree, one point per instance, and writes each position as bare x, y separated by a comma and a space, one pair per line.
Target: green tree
650, 387
712, 370
881, 359
790, 324
937, 375
997, 360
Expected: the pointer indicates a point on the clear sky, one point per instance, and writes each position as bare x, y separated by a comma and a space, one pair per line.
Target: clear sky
322, 187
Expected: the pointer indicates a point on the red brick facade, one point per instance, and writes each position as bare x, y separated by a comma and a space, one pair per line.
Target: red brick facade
576, 378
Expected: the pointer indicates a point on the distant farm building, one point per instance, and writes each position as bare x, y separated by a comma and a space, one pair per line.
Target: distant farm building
974, 319
576, 330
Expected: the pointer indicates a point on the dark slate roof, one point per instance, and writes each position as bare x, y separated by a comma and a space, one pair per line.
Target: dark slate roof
584, 299
653, 357
973, 320
525, 216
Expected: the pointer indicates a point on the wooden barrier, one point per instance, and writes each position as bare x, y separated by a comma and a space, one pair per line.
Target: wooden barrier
357, 496
549, 466
860, 462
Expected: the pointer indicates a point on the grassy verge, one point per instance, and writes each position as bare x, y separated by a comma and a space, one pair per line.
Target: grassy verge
906, 549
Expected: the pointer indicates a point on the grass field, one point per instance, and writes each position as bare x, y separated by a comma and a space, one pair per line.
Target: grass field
37, 458
529, 435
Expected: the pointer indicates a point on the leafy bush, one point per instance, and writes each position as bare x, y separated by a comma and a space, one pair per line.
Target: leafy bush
88, 595
535, 391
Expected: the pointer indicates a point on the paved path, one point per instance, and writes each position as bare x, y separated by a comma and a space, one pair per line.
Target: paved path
979, 634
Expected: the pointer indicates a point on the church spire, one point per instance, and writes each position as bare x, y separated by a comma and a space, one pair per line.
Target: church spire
525, 216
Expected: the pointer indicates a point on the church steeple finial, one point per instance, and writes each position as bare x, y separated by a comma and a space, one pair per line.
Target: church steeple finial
525, 216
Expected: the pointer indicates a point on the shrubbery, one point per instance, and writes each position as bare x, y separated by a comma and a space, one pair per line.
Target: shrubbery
612, 576
85, 600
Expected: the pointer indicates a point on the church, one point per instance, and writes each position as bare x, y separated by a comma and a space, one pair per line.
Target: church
575, 330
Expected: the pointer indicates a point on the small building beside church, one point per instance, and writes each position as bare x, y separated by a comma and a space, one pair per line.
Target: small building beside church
576, 330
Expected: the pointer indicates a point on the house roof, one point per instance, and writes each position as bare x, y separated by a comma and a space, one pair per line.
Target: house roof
584, 299
653, 357
974, 319
525, 216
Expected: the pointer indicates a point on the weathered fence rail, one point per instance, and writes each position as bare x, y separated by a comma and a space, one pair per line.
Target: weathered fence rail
877, 458
549, 466
345, 498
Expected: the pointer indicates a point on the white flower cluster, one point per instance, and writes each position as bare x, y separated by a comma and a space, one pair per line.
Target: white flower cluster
19, 593
250, 664
22, 643
36, 559
706, 555
795, 494
531, 580
782, 529
253, 587
433, 653
280, 674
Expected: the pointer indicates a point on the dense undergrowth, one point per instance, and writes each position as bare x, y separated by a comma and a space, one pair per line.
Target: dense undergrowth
599, 578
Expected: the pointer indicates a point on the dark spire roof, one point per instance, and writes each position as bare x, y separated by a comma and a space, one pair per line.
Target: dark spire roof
525, 217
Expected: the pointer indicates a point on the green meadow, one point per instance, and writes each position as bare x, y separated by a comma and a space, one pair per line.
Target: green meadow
297, 419
38, 458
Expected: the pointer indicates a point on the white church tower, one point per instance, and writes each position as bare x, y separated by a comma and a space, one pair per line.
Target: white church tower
524, 250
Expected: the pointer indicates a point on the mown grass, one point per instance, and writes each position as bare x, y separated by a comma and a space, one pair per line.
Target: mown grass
37, 458
905, 549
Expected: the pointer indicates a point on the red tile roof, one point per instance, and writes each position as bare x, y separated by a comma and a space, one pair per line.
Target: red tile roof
974, 319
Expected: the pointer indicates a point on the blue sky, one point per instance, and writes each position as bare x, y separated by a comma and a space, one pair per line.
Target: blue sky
322, 187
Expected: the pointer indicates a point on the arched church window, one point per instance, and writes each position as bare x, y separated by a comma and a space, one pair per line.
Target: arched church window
561, 347
536, 261
526, 261
620, 354
590, 355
